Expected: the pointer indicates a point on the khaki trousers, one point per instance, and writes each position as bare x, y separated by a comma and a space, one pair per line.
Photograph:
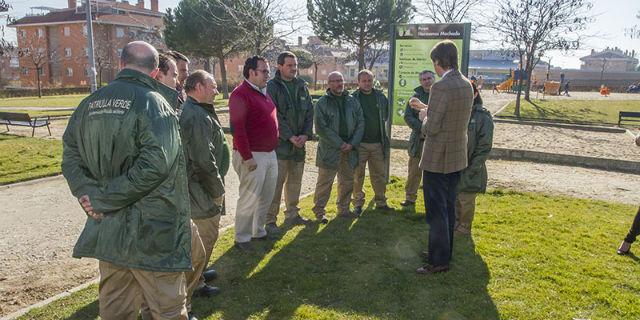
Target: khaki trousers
123, 290
413, 179
324, 184
208, 229
289, 179
255, 194
372, 154
197, 260
465, 209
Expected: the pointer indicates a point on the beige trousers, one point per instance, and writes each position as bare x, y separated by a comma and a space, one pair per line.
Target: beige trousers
372, 154
465, 209
208, 231
123, 290
198, 261
414, 176
289, 179
255, 194
324, 184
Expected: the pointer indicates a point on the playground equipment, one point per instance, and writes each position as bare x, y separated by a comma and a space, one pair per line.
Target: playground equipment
551, 88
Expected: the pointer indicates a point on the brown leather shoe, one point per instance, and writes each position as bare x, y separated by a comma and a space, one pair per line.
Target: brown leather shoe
429, 269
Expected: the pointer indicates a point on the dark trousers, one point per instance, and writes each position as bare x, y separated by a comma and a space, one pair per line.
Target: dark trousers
635, 229
439, 191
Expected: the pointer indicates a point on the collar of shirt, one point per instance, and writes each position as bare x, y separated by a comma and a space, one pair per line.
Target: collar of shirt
263, 90
446, 73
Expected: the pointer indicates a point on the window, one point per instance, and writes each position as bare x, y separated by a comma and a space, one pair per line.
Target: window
119, 53
23, 33
40, 32
67, 52
87, 71
84, 30
25, 71
14, 63
41, 71
86, 52
69, 72
67, 31
119, 32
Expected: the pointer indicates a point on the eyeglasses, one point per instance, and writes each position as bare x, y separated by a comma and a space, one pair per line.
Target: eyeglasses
264, 71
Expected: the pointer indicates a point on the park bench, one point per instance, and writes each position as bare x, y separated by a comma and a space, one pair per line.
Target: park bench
630, 116
24, 120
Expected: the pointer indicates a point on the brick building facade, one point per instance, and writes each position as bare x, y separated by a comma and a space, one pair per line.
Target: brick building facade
54, 45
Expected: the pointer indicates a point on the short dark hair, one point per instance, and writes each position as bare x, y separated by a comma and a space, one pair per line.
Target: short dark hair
446, 54
198, 76
477, 99
284, 55
363, 72
130, 57
251, 64
425, 72
163, 62
178, 56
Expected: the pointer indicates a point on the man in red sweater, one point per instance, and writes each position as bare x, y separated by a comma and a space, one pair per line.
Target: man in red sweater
255, 137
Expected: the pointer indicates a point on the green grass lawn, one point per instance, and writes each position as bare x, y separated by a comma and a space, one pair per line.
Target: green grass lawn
66, 101
531, 257
37, 113
24, 158
587, 111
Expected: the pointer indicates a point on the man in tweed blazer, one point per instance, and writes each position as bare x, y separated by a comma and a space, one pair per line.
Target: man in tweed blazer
444, 155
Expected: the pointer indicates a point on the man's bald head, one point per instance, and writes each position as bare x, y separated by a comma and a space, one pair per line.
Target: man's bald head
139, 55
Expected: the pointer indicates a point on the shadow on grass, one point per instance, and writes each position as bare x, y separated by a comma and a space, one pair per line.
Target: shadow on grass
350, 269
88, 311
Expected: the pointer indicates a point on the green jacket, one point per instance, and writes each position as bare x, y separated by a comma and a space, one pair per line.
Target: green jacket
383, 109
207, 154
416, 140
473, 179
295, 117
122, 148
327, 120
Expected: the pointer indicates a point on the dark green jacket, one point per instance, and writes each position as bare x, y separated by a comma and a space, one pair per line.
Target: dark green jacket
327, 119
122, 148
416, 140
207, 153
383, 110
473, 179
295, 117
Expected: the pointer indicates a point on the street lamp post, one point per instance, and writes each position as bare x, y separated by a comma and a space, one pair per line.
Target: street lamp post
92, 60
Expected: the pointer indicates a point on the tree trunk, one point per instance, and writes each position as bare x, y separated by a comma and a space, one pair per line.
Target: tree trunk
38, 79
361, 63
223, 77
315, 76
529, 72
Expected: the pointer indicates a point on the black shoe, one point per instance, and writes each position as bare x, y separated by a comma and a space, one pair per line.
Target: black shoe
191, 316
408, 203
323, 219
210, 275
272, 229
297, 221
357, 211
263, 238
385, 208
243, 246
207, 291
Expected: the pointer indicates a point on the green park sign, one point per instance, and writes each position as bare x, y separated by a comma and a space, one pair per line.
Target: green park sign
410, 48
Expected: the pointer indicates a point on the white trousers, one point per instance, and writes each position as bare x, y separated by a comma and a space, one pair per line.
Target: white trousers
255, 194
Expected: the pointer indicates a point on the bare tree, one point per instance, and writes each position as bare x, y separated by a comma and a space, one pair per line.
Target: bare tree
38, 55
447, 11
533, 27
5, 45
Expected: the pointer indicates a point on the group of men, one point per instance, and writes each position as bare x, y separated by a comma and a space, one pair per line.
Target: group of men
146, 157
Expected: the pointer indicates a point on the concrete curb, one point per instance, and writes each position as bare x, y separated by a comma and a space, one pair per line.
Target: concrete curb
561, 125
616, 165
501, 109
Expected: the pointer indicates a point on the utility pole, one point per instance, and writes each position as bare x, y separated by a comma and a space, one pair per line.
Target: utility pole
92, 60
604, 62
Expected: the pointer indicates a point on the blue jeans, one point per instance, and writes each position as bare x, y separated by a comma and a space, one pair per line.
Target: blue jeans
439, 191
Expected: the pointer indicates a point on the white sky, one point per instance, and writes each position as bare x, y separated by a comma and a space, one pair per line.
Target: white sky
611, 19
